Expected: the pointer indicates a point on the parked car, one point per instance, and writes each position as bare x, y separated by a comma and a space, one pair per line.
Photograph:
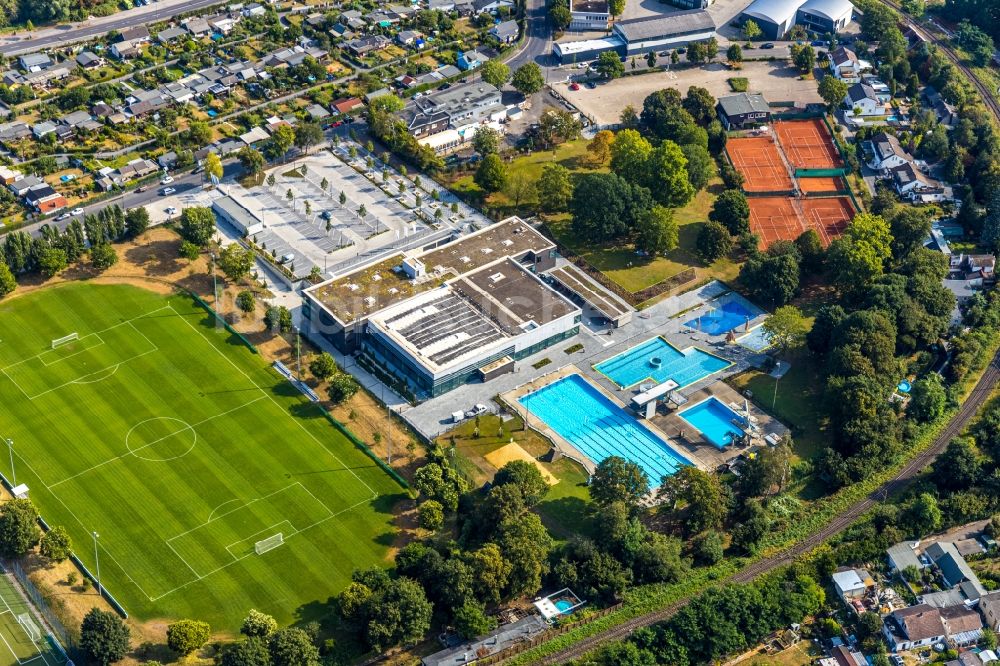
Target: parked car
168, 190
64, 216
326, 215
476, 411
591, 85
682, 51
77, 211
767, 45
171, 211
166, 180
574, 86
817, 42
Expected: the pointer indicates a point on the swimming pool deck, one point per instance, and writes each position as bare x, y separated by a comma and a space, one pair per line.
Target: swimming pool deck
665, 319
693, 444
511, 401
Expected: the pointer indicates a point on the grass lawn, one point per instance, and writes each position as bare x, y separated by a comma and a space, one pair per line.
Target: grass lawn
634, 273
796, 404
183, 449
563, 511
800, 654
618, 262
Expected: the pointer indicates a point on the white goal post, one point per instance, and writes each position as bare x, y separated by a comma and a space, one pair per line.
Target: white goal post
64, 339
30, 628
270, 543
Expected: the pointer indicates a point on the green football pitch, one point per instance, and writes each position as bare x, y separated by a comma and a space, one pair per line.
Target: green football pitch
182, 450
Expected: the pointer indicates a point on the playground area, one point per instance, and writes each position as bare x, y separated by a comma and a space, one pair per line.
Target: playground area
808, 144
758, 159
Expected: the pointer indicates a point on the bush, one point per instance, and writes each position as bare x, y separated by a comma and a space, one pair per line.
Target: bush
431, 515
186, 636
342, 388
259, 625
189, 250
278, 318
246, 301
739, 84
55, 544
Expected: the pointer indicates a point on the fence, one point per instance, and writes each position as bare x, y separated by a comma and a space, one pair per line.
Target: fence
364, 448
41, 604
225, 323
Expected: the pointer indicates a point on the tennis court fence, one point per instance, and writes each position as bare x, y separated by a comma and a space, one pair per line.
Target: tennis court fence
53, 625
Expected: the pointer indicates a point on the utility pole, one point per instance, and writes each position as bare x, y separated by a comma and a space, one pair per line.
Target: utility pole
13, 472
97, 562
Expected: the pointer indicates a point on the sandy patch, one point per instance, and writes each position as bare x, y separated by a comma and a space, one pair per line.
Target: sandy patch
511, 452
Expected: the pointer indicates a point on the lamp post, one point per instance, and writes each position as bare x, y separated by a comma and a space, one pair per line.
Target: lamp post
10, 449
97, 563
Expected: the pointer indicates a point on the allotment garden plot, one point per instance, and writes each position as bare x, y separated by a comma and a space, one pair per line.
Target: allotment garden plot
184, 452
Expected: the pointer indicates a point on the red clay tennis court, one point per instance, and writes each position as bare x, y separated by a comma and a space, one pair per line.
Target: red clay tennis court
774, 219
807, 144
757, 158
822, 185
828, 216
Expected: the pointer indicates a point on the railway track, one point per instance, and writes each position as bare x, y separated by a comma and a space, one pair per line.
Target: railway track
983, 389
941, 41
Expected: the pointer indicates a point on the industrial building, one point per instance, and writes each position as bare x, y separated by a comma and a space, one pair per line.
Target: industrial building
776, 17
639, 36
442, 316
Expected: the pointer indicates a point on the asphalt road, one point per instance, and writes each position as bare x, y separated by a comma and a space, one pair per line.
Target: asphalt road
538, 43
78, 32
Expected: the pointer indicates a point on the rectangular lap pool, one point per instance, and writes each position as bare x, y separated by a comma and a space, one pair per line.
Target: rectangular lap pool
598, 428
715, 421
722, 319
657, 360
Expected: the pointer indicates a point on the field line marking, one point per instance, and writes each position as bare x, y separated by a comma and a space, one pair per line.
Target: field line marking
229, 564
108, 553
271, 398
41, 356
89, 374
131, 452
269, 528
245, 504
103, 330
11, 380
12, 653
184, 560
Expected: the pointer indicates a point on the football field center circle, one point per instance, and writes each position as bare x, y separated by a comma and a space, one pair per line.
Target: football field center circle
160, 439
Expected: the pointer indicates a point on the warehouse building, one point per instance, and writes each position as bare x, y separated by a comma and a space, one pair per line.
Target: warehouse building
639, 36
776, 17
442, 316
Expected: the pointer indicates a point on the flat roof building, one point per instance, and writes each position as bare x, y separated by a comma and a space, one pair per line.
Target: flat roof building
588, 15
641, 35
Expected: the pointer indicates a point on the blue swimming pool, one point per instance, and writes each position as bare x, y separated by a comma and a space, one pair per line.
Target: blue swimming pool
598, 428
657, 360
722, 319
714, 420
564, 605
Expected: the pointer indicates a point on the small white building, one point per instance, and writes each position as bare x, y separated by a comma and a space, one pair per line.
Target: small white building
863, 101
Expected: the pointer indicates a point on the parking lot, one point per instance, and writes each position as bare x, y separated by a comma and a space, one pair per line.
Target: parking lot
776, 80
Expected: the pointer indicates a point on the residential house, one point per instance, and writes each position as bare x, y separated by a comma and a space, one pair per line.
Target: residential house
137, 168
963, 625
506, 32
852, 583
989, 604
317, 112
346, 105
89, 60
34, 62
138, 33
364, 45
863, 101
255, 135
913, 627
13, 131
982, 269
228, 146
887, 153
841, 656
42, 78
8, 175
490, 6
170, 35
913, 185
254, 9
945, 112
316, 20
882, 92
341, 31
846, 66
127, 50
470, 60
223, 25
21, 186
954, 569
409, 37
79, 120
44, 199
903, 555
198, 27
43, 128
380, 19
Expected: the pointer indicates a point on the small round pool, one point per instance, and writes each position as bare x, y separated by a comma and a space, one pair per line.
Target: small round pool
904, 386
564, 605
656, 361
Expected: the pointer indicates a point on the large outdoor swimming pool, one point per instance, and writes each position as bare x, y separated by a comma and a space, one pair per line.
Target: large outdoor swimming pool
722, 319
657, 360
714, 420
598, 428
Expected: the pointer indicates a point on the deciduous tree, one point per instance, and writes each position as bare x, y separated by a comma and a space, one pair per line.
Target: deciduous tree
236, 261
323, 366
55, 544
197, 225
528, 79
618, 480
491, 173
555, 188
495, 73
104, 637
186, 636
